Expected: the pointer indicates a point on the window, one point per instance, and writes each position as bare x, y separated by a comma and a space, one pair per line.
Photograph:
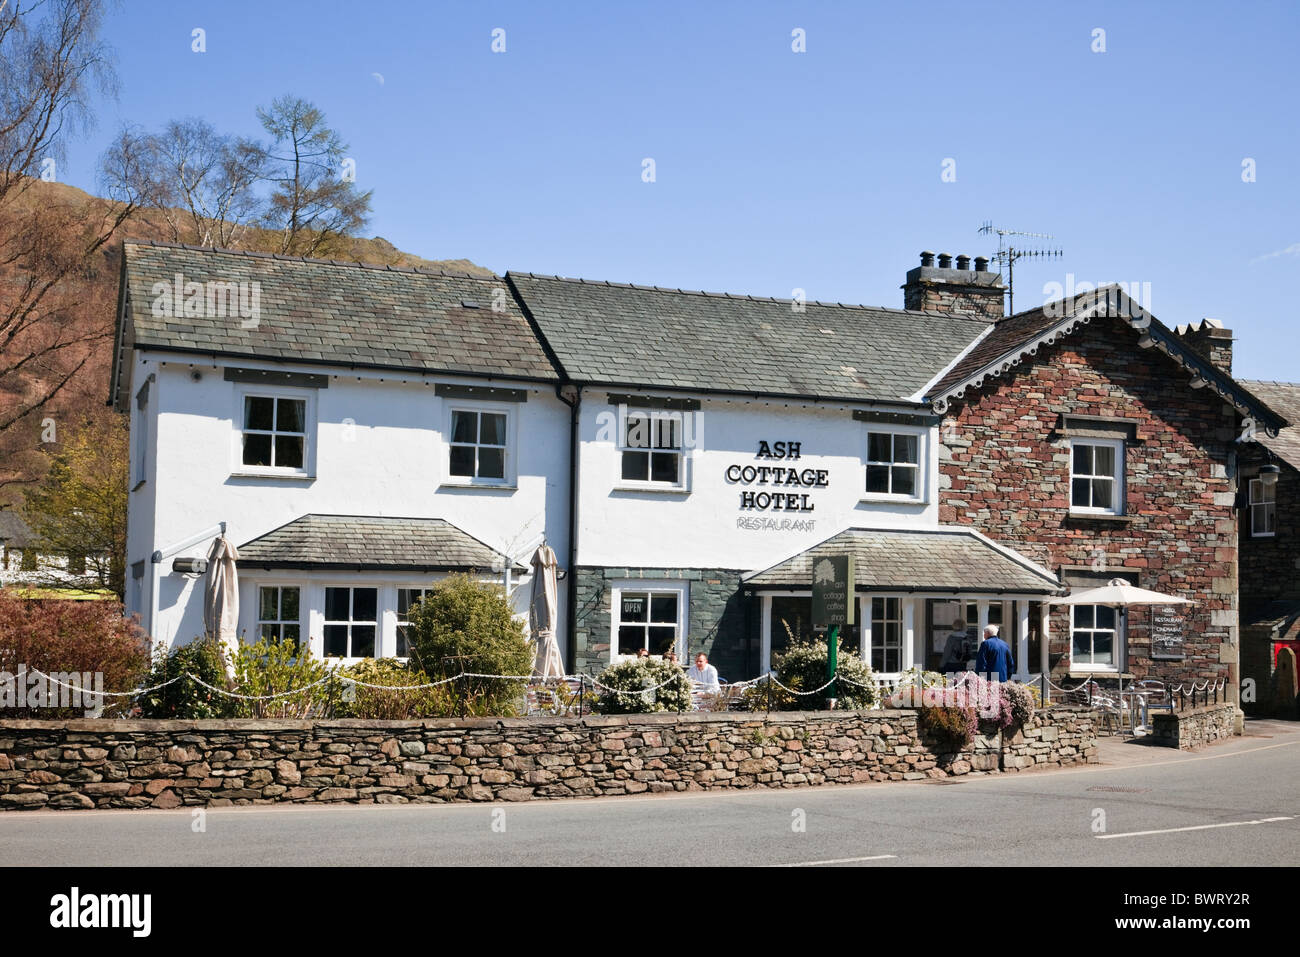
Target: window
894, 464
277, 614
652, 448
886, 635
275, 432
1094, 637
76, 563
647, 619
1096, 470
140, 434
478, 445
406, 600
29, 560
1263, 509
351, 618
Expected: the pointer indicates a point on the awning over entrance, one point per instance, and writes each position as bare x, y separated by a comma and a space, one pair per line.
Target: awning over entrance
365, 542
947, 560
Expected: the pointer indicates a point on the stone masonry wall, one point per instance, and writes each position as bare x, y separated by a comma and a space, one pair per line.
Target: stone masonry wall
168, 764
719, 623
1006, 470
1194, 728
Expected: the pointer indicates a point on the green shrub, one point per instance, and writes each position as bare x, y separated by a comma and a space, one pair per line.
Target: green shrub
271, 667
915, 677
185, 698
464, 625
803, 666
356, 701
637, 675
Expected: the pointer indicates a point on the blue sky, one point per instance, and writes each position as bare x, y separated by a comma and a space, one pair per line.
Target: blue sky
774, 169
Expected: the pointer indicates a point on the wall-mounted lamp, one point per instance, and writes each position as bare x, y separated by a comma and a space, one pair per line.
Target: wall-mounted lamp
1268, 474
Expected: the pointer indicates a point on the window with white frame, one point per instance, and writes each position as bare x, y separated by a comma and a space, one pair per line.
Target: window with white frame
140, 436
1263, 508
652, 448
893, 463
646, 618
479, 445
351, 622
886, 634
279, 613
407, 598
1097, 476
1094, 637
274, 432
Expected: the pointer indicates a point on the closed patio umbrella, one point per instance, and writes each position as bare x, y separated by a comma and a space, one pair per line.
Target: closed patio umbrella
542, 614
221, 597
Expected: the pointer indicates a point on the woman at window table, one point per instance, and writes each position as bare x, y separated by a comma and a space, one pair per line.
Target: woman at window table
643, 652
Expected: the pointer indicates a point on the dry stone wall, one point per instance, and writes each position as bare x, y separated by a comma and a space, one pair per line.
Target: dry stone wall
169, 764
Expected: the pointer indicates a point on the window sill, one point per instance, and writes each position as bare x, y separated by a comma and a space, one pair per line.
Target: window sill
1100, 517
274, 476
482, 486
1100, 672
649, 487
878, 499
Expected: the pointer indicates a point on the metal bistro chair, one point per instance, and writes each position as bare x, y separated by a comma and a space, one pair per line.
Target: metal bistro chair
1153, 695
1090, 693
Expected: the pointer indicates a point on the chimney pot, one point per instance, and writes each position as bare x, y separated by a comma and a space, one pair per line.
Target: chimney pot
945, 260
927, 258
981, 264
963, 262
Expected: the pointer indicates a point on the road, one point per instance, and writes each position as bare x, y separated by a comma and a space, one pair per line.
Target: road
1234, 803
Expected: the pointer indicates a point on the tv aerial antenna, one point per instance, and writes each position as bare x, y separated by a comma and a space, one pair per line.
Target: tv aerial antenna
1008, 254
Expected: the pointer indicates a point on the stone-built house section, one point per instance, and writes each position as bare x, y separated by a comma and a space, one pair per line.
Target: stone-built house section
687, 455
1269, 506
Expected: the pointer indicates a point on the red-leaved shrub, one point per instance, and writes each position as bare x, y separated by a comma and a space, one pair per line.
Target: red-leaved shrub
71, 636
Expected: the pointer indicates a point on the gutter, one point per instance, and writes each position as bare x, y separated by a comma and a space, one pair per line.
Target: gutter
571, 615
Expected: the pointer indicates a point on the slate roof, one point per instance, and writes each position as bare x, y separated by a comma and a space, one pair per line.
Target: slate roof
338, 313
945, 559
1283, 398
14, 532
369, 542
622, 335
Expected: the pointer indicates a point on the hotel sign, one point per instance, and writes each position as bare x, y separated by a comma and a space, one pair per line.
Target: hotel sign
777, 487
1168, 631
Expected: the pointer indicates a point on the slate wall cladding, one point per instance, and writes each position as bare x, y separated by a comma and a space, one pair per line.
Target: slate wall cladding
167, 764
1194, 728
1270, 567
1006, 470
720, 623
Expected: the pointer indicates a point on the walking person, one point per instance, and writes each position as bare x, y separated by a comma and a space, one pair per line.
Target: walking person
994, 656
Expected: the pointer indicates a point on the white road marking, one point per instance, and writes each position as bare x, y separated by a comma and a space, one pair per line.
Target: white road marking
840, 860
1197, 827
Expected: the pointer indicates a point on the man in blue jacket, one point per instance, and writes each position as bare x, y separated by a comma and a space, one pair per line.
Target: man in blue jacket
994, 656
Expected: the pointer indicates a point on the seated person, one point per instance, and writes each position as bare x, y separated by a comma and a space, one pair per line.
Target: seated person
704, 674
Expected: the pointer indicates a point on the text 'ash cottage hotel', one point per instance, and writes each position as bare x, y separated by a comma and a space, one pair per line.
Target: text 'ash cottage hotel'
364, 431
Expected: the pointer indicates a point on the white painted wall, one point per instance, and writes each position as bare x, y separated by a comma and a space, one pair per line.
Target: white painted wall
380, 450
698, 528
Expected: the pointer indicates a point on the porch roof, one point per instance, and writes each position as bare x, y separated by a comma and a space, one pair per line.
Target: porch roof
370, 542
944, 560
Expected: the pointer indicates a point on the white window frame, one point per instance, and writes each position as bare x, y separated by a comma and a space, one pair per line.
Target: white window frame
510, 411
867, 639
1118, 644
680, 590
377, 621
1116, 477
922, 466
401, 622
140, 436
308, 396
683, 460
303, 639
1268, 506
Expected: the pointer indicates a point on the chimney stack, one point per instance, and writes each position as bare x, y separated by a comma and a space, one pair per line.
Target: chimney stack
1209, 340
961, 291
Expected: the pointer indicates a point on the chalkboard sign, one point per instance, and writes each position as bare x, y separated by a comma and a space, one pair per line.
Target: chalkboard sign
1168, 630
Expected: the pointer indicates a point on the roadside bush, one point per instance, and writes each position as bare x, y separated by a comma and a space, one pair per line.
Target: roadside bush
988, 699
356, 701
185, 698
639, 675
803, 666
72, 636
1021, 700
270, 667
464, 625
950, 719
